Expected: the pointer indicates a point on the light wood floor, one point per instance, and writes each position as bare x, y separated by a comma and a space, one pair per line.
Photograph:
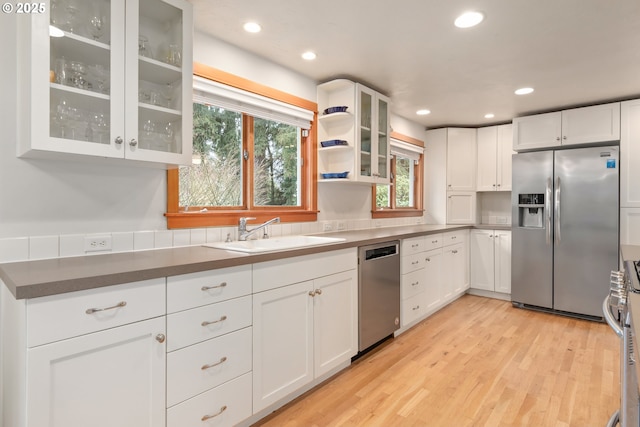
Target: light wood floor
477, 362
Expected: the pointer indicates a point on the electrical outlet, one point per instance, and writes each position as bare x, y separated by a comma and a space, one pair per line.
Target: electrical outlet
97, 243
501, 220
341, 225
326, 226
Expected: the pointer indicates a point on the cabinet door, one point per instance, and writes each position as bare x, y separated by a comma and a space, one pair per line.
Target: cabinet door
383, 164
598, 123
433, 279
110, 378
503, 157
335, 314
158, 81
482, 259
455, 270
282, 342
630, 226
78, 109
487, 167
630, 158
502, 251
461, 207
365, 134
461, 159
538, 131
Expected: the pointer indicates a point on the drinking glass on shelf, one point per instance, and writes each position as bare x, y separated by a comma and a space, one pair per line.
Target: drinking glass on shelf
100, 76
72, 7
60, 70
101, 128
169, 135
143, 47
174, 56
97, 20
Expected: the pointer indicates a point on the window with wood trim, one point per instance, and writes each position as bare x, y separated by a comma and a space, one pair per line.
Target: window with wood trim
403, 197
254, 155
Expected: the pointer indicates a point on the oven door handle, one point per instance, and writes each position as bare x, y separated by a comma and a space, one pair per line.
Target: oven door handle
611, 321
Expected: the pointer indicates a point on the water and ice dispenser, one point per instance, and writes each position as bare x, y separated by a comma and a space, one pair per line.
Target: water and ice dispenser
531, 210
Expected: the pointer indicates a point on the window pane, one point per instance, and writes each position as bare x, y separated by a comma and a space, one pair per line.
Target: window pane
276, 160
382, 197
404, 182
215, 178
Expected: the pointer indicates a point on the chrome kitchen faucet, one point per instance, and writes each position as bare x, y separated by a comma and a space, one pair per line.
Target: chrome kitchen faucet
243, 233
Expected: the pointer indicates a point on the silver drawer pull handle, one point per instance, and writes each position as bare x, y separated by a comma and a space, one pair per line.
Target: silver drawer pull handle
428, 259
220, 362
415, 283
434, 241
415, 245
222, 319
95, 310
454, 251
453, 237
415, 262
221, 285
208, 417
417, 307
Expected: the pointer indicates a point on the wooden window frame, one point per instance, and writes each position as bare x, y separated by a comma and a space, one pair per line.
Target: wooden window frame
308, 209
418, 177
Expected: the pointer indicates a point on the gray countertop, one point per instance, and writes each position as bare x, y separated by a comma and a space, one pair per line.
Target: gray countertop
31, 279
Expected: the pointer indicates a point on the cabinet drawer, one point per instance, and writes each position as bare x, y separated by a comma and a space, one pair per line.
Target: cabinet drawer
226, 405
202, 323
432, 241
413, 283
454, 237
200, 367
412, 245
57, 317
412, 309
206, 287
412, 263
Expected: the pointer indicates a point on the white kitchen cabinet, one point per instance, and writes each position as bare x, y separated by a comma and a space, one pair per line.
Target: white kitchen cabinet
494, 158
99, 351
302, 329
577, 126
365, 128
433, 279
412, 280
630, 154
630, 226
461, 207
114, 98
490, 260
114, 377
455, 264
461, 159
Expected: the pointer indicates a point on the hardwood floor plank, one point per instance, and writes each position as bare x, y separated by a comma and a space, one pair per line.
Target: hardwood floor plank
477, 362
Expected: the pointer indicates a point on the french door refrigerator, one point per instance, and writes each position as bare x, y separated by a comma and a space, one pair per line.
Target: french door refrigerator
564, 228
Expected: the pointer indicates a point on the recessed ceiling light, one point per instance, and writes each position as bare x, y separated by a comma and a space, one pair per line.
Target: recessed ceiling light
524, 91
468, 19
489, 116
423, 112
252, 27
309, 56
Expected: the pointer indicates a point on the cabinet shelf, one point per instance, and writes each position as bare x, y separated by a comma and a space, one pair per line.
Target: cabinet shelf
79, 92
335, 117
158, 72
335, 148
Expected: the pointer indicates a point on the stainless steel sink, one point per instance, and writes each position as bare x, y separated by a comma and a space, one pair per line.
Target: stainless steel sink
275, 243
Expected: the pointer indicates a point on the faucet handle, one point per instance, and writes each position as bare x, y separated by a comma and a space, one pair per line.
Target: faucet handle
243, 219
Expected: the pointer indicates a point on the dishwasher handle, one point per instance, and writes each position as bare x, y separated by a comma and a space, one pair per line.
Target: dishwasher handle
381, 252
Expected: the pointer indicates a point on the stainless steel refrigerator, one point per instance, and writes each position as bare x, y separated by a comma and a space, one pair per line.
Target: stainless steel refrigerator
564, 228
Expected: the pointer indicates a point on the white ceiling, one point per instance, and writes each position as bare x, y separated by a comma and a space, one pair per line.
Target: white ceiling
573, 52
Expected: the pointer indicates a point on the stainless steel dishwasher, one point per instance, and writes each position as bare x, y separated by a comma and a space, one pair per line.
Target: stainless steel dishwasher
378, 292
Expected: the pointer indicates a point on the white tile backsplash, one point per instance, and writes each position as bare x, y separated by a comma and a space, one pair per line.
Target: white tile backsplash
14, 249
43, 247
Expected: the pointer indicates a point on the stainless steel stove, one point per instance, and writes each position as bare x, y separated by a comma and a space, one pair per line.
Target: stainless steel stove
625, 287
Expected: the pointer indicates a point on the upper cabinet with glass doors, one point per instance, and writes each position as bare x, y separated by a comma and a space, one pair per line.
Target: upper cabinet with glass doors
115, 82
354, 142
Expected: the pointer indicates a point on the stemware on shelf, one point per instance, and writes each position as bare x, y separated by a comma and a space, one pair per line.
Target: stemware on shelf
97, 19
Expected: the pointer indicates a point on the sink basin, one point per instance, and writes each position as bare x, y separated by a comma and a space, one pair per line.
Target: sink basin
275, 243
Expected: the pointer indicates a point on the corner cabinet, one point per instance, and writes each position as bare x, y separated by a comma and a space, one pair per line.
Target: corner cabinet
577, 126
117, 84
358, 138
491, 260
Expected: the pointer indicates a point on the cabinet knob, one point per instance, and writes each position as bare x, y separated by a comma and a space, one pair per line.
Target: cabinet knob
557, 138
428, 259
564, 137
312, 293
133, 142
118, 140
318, 291
160, 338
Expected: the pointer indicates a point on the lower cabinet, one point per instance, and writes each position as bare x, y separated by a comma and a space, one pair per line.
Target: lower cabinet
491, 260
303, 330
110, 378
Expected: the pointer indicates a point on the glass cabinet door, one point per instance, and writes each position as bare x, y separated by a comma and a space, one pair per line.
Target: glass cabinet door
366, 116
83, 66
383, 139
157, 89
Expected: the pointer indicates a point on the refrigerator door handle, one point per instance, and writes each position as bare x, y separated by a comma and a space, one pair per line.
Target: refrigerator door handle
547, 208
557, 206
